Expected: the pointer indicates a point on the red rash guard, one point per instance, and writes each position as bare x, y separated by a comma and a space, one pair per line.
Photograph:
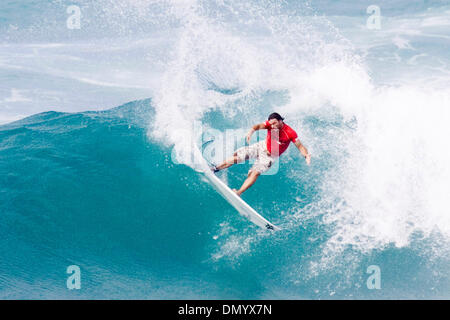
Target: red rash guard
279, 139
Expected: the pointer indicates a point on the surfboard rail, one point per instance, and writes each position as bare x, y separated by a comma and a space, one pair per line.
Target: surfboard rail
240, 205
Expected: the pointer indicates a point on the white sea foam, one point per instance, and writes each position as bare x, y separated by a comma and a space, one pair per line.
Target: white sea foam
393, 183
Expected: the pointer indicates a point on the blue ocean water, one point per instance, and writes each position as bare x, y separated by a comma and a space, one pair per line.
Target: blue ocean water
98, 125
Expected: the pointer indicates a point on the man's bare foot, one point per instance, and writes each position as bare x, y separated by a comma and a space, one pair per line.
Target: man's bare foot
214, 169
237, 192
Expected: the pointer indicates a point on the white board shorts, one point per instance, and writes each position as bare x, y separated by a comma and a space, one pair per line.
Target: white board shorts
259, 152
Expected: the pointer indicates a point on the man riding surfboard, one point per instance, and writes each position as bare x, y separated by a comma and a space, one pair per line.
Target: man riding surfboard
279, 136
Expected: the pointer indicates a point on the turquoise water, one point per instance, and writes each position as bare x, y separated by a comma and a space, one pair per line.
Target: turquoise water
113, 190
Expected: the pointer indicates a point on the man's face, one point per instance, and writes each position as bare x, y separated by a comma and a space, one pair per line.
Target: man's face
276, 124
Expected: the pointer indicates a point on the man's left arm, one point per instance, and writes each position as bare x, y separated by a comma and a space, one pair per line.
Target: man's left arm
303, 150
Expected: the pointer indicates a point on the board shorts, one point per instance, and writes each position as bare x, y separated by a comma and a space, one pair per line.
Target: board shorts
259, 152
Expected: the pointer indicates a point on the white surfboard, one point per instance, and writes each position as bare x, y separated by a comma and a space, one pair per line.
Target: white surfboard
240, 205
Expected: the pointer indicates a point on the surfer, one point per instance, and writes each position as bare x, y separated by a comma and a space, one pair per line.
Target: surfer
279, 136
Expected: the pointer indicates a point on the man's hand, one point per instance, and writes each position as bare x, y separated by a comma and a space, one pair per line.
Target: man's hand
308, 159
249, 135
303, 151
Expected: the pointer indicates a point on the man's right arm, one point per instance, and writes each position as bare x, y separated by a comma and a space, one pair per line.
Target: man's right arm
256, 127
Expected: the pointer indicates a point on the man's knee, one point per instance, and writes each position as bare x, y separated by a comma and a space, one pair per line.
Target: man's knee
254, 173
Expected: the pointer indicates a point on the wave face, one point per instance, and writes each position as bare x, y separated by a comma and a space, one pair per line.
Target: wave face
90, 189
116, 192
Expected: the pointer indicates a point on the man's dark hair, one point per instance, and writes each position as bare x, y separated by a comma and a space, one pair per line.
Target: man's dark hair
275, 116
